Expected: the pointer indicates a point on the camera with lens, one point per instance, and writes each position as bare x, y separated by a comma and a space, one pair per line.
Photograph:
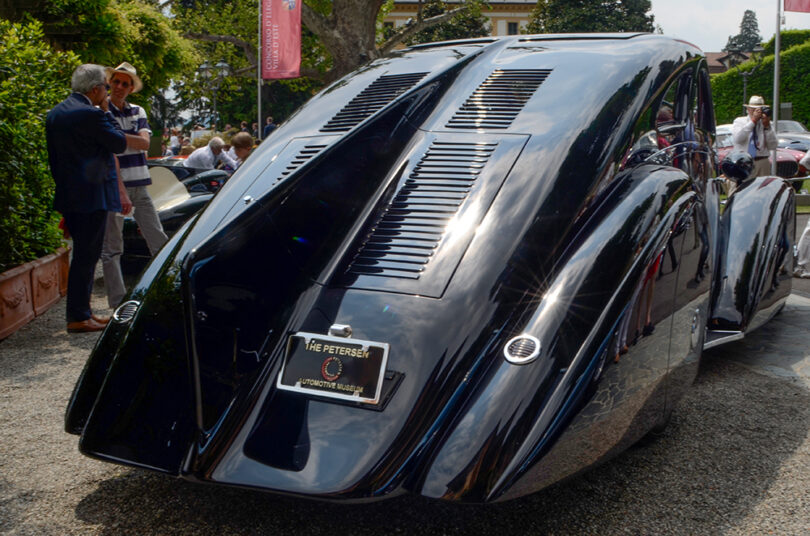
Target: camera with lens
766, 110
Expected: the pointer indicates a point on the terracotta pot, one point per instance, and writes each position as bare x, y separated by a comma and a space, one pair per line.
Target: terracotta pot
45, 282
31, 289
16, 302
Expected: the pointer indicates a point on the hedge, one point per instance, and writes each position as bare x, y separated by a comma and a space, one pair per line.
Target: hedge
789, 38
33, 79
727, 87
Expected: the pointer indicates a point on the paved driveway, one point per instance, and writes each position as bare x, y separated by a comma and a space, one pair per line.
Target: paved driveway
735, 460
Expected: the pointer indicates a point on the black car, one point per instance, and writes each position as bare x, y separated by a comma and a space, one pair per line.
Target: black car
797, 142
466, 271
178, 193
196, 180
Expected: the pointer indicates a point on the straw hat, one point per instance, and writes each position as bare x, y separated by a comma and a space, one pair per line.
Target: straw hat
130, 71
755, 102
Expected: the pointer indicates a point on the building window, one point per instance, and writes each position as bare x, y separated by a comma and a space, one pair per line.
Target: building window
512, 28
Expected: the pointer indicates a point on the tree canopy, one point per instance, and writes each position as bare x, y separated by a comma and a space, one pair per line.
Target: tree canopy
467, 24
340, 35
337, 37
564, 16
111, 31
748, 38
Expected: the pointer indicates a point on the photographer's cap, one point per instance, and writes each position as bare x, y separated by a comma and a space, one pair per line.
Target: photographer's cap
755, 102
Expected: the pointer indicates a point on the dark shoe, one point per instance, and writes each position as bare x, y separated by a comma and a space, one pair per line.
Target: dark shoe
103, 320
84, 326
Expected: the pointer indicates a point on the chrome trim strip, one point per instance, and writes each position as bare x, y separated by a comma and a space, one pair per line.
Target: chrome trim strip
716, 338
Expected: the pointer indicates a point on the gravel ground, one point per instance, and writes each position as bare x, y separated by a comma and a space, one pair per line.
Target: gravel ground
735, 460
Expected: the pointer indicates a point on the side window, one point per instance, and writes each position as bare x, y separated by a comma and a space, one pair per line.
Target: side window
665, 117
703, 167
673, 138
674, 126
674, 110
705, 107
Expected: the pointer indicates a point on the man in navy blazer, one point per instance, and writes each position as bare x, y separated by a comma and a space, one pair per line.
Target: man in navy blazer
81, 141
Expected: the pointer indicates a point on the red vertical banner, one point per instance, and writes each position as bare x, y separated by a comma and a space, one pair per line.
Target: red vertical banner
281, 39
797, 5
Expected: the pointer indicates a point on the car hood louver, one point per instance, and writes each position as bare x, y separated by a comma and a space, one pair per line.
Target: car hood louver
408, 233
301, 158
382, 91
499, 99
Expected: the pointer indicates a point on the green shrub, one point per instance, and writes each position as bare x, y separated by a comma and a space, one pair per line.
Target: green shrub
727, 87
787, 39
33, 79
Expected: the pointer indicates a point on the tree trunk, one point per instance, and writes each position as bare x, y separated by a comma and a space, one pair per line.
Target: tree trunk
348, 33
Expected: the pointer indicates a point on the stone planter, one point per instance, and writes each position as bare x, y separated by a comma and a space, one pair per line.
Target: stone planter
31, 289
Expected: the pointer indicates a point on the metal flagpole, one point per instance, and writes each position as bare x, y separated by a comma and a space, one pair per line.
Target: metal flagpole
777, 43
259, 77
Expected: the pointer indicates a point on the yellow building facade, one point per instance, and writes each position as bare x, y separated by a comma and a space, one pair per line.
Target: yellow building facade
505, 17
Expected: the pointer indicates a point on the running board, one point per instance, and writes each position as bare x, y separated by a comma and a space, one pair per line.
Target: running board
718, 337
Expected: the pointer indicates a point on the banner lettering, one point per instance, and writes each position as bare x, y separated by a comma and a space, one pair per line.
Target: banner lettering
281, 39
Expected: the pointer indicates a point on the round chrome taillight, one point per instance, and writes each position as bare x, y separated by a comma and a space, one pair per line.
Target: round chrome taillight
522, 349
126, 311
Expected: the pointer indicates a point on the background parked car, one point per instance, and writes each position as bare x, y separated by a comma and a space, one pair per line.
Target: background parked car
176, 200
787, 159
196, 180
793, 141
786, 125
793, 135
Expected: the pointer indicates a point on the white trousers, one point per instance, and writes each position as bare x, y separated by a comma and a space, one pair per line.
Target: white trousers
145, 215
803, 261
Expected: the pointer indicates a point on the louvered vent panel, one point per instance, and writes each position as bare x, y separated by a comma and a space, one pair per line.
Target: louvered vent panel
499, 99
412, 227
382, 91
300, 159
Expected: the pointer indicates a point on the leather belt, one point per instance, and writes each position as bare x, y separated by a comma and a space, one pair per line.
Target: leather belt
760, 157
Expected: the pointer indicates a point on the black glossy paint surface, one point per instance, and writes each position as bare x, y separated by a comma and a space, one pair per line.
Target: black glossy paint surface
554, 187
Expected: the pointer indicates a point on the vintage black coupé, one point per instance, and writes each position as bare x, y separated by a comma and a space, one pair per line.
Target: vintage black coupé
465, 271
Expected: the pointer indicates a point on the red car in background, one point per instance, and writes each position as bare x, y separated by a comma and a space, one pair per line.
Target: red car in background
787, 160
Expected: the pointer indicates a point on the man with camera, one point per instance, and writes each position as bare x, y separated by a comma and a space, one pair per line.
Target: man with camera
753, 134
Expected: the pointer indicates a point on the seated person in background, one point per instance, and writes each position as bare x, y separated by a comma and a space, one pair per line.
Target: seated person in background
186, 150
241, 145
208, 156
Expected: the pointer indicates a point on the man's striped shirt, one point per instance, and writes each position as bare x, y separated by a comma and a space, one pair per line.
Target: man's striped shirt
132, 120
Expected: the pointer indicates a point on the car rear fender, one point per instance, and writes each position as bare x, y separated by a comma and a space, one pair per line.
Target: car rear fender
138, 373
755, 260
517, 424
